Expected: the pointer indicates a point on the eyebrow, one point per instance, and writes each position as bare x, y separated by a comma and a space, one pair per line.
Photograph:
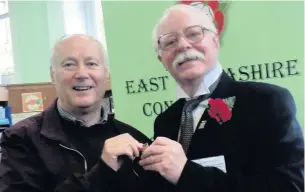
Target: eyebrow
69, 59
90, 58
75, 60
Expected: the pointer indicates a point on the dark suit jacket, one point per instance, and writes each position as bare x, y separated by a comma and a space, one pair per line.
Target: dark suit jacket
262, 144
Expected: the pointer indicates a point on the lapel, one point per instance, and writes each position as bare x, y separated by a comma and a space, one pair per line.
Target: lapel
51, 127
170, 129
224, 89
210, 138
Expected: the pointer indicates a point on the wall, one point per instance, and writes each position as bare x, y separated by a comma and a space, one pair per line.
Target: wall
257, 35
35, 27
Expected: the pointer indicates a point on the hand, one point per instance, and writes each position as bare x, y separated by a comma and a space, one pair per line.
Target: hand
166, 157
114, 147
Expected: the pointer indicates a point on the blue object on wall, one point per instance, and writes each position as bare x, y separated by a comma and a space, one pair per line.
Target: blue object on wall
8, 115
5, 116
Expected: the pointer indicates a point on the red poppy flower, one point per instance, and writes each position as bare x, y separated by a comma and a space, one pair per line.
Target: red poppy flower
219, 110
219, 18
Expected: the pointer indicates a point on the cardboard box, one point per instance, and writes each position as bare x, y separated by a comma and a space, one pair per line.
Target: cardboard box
33, 97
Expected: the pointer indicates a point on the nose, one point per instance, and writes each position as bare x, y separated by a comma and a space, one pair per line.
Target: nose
81, 72
183, 44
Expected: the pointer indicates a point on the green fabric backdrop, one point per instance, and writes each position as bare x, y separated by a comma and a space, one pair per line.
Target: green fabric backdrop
257, 35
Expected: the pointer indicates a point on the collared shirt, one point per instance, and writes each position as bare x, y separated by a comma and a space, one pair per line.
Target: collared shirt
64, 114
204, 88
206, 82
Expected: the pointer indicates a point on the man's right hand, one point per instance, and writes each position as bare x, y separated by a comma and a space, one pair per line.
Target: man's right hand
114, 147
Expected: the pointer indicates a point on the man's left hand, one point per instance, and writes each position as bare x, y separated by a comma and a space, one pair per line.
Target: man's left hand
166, 157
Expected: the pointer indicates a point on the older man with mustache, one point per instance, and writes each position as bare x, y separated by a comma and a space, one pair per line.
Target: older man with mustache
221, 135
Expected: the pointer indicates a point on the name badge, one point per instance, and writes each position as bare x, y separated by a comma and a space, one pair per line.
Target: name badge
218, 162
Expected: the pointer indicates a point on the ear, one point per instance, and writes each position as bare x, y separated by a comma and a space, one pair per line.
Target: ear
106, 73
52, 75
216, 41
160, 59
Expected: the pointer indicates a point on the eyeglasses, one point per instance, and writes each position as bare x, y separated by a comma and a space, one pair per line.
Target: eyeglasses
192, 34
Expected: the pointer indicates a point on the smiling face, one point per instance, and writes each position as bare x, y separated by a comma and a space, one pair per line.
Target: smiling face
78, 72
192, 48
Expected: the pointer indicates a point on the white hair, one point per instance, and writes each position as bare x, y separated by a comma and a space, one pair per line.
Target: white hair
208, 22
55, 47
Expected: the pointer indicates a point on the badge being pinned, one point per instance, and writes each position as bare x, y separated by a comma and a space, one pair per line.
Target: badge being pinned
145, 146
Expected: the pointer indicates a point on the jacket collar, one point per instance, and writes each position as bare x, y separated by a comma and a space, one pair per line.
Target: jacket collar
225, 87
51, 127
207, 81
64, 114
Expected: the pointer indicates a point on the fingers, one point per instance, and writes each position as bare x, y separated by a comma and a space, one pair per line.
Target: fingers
140, 146
120, 148
159, 146
135, 150
151, 160
153, 150
130, 151
127, 145
154, 167
162, 141
116, 147
133, 144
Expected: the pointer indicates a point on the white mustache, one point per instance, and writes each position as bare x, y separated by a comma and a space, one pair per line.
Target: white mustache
82, 85
187, 55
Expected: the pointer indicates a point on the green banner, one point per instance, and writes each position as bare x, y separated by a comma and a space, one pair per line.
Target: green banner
260, 41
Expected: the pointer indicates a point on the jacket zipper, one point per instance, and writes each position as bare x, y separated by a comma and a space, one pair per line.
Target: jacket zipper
70, 149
